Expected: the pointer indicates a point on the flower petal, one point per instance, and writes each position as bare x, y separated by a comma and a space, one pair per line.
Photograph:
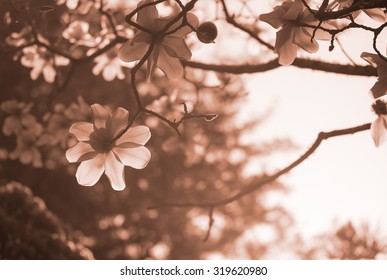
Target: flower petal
89, 171
379, 130
134, 157
274, 18
82, 130
303, 39
100, 116
49, 73
376, 14
372, 59
287, 51
294, 10
379, 89
134, 49
193, 20
80, 152
137, 134
171, 66
152, 63
119, 121
147, 15
183, 30
114, 170
176, 47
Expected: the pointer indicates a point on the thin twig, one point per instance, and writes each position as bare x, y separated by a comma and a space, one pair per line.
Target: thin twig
210, 223
271, 178
231, 19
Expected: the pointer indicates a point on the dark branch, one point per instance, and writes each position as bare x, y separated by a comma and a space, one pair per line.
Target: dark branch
273, 64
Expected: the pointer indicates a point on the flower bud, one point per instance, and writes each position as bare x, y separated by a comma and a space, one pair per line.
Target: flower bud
207, 32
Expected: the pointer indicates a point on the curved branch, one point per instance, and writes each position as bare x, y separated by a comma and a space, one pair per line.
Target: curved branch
273, 64
269, 179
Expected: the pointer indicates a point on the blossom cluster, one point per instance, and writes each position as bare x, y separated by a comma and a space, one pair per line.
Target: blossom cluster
35, 138
110, 142
301, 29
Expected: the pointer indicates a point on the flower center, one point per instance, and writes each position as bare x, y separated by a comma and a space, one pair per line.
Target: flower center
101, 141
380, 107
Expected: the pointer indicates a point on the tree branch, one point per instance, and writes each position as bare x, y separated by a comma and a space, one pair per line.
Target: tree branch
271, 178
273, 64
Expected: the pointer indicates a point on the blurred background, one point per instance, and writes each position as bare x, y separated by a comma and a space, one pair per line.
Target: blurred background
330, 207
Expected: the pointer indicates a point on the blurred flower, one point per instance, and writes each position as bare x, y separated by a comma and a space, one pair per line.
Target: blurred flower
82, 6
379, 126
168, 49
77, 111
289, 15
42, 62
19, 116
56, 130
109, 65
376, 13
99, 152
27, 146
160, 251
120, 5
380, 87
77, 33
17, 39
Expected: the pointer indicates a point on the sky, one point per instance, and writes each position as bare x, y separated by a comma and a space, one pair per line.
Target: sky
345, 178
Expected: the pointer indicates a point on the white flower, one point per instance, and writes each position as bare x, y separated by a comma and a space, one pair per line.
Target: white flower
379, 126
289, 15
77, 33
99, 152
168, 49
375, 13
380, 87
42, 62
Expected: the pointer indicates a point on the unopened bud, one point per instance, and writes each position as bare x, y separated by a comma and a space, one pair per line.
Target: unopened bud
207, 32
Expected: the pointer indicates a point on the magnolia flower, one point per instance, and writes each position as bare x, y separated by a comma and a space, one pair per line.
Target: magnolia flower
99, 152
168, 49
375, 13
77, 33
27, 142
380, 87
289, 16
42, 62
379, 126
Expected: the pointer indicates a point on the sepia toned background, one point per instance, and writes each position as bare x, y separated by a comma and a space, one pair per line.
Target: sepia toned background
330, 206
